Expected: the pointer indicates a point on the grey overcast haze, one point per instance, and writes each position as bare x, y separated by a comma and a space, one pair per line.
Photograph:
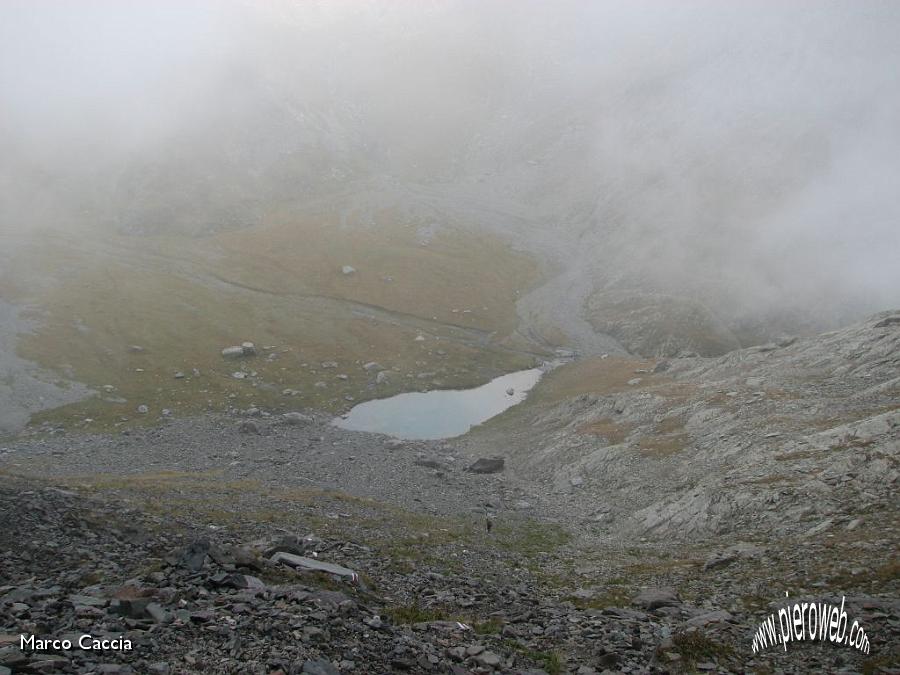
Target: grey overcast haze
744, 153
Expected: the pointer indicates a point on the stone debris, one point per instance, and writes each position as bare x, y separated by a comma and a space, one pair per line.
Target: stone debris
209, 604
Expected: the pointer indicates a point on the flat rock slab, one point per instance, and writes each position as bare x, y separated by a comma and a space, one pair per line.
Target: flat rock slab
654, 598
488, 465
716, 616
299, 561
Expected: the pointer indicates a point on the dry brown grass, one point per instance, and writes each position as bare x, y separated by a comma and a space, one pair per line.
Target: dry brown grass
661, 446
613, 432
599, 377
670, 425
183, 299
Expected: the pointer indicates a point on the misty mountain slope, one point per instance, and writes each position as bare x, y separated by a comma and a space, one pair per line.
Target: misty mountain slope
777, 438
719, 155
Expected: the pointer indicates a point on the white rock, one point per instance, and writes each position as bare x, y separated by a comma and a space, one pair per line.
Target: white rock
297, 418
347, 270
292, 560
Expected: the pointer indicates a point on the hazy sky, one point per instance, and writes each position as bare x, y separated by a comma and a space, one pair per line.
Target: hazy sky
745, 146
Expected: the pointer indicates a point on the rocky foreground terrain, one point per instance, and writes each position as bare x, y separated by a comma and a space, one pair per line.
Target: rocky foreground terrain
647, 516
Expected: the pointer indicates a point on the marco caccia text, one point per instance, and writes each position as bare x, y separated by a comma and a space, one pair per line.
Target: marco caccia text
86, 642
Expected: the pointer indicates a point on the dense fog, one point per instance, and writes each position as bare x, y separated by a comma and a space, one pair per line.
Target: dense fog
744, 154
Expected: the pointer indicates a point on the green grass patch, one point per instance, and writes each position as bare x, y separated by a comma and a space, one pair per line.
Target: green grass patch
415, 613
694, 646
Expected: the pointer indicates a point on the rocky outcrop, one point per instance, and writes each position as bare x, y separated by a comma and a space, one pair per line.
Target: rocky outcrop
776, 438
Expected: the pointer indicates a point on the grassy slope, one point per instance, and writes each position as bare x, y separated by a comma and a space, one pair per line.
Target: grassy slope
184, 299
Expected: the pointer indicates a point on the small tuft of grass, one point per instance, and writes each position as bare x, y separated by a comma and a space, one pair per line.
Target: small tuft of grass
491, 626
694, 646
415, 613
551, 661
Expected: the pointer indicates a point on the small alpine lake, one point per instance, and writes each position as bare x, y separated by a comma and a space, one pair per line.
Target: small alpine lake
442, 413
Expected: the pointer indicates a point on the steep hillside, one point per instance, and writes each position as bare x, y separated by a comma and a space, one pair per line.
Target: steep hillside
780, 439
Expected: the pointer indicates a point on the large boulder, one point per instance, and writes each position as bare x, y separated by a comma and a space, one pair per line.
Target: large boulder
194, 555
237, 351
488, 465
297, 419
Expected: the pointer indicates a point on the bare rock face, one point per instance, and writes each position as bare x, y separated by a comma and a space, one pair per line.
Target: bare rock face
796, 438
488, 465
